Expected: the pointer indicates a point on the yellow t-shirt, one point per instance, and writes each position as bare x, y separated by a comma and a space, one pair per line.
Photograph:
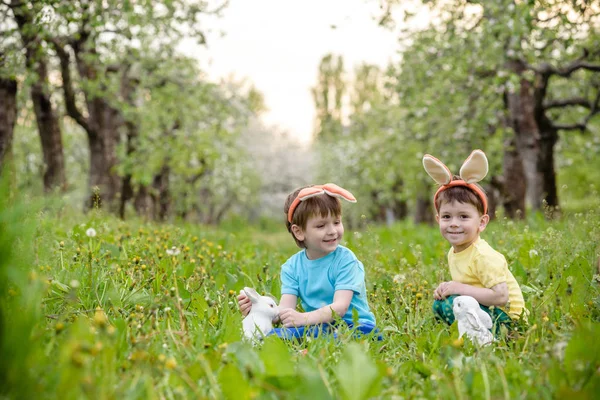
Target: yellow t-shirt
481, 266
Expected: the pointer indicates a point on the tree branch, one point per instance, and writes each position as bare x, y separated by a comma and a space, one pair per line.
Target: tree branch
546, 69
581, 126
575, 101
594, 109
577, 126
72, 110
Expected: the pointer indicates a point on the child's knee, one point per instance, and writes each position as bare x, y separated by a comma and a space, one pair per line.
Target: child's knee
442, 309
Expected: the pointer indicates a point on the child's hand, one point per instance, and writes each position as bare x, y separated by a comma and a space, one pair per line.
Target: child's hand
449, 288
244, 304
291, 318
437, 293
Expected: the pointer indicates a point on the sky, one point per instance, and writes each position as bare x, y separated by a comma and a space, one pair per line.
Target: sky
278, 44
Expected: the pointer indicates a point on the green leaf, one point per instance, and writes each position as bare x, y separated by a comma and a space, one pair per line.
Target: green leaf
357, 374
276, 357
233, 384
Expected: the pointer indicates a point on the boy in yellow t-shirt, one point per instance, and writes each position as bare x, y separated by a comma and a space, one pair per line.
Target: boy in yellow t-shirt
477, 270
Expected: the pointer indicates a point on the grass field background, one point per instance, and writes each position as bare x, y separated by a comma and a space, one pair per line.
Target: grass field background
116, 316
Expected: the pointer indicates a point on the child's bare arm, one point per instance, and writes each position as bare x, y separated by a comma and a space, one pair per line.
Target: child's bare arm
341, 302
495, 296
288, 301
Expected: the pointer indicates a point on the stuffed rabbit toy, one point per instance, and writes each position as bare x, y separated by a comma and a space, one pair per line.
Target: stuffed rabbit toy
259, 322
472, 320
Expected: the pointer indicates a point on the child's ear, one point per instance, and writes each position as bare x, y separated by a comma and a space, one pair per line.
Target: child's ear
437, 218
298, 233
485, 219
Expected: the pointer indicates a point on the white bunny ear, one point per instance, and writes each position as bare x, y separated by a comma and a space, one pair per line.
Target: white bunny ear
475, 167
473, 319
252, 294
437, 169
485, 318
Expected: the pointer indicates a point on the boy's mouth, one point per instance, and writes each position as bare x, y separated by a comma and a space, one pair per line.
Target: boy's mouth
330, 240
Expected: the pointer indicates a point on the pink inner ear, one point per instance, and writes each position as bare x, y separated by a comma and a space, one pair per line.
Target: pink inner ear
437, 169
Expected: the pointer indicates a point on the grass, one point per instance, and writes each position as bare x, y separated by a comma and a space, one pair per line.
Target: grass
115, 316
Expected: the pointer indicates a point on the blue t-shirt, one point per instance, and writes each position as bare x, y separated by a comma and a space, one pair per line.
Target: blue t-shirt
315, 281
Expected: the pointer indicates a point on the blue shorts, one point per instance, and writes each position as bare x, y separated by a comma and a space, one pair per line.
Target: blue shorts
364, 329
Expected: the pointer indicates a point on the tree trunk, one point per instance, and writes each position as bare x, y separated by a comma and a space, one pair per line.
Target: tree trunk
8, 116
514, 183
549, 138
103, 139
101, 124
399, 207
424, 208
50, 134
162, 197
45, 115
103, 181
143, 202
521, 107
492, 191
127, 91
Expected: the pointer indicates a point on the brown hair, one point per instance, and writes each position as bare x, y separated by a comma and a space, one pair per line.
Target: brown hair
321, 205
461, 194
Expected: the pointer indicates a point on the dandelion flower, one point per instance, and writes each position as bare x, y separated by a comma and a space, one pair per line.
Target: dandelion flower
171, 363
91, 232
173, 251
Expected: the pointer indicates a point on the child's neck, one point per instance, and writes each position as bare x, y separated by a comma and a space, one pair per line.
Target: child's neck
313, 255
461, 248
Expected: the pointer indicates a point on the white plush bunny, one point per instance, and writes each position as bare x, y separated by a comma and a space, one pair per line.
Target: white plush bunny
472, 320
259, 321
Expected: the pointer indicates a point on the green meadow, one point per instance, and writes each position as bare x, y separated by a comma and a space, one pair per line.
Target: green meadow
145, 310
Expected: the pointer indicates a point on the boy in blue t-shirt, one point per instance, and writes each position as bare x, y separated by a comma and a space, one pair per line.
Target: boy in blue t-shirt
327, 277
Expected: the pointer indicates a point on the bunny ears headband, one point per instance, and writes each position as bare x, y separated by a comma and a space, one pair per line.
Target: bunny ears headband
473, 170
330, 189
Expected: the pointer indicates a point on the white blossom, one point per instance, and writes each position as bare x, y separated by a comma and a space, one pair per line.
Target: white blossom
173, 251
533, 253
91, 232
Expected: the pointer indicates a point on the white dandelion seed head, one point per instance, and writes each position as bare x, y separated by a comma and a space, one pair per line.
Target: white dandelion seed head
173, 251
91, 232
533, 253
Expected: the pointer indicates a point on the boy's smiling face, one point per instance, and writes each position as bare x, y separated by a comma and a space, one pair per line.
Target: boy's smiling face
321, 236
461, 224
